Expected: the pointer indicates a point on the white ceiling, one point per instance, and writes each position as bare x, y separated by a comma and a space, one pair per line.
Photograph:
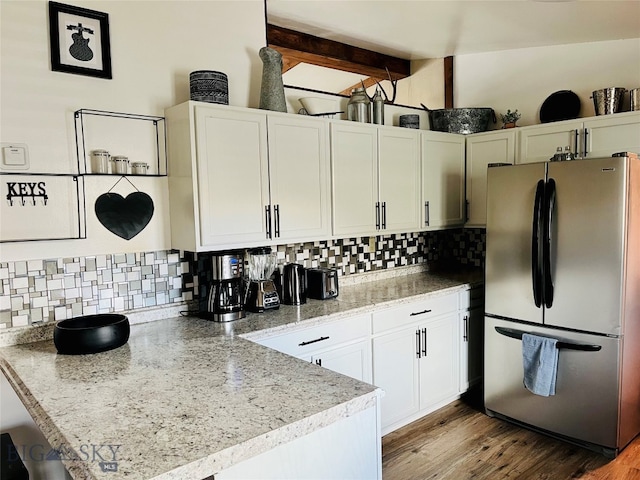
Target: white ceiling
421, 29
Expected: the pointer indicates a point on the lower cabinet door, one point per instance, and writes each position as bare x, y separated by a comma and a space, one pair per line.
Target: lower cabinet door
475, 356
348, 448
352, 360
395, 370
439, 371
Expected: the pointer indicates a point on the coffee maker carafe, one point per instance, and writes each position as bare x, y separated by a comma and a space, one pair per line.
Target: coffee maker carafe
224, 299
261, 293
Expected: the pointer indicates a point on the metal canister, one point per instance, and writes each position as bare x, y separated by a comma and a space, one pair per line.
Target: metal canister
120, 164
359, 106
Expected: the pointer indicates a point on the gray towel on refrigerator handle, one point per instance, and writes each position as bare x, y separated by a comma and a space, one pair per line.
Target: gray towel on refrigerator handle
540, 362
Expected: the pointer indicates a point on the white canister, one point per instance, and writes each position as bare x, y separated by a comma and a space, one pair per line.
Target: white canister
100, 161
120, 165
139, 168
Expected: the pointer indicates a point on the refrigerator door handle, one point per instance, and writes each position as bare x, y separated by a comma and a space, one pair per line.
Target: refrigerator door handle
517, 334
536, 257
547, 242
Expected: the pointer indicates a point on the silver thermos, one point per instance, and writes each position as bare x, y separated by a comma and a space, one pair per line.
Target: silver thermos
378, 108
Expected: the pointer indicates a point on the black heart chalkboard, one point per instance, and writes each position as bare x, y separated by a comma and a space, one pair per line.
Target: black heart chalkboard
126, 217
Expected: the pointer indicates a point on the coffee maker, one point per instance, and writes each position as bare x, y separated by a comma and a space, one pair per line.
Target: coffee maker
223, 300
261, 293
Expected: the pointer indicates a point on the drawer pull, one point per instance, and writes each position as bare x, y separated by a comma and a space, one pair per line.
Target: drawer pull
321, 339
419, 313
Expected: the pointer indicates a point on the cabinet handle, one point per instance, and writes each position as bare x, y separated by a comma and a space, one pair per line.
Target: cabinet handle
276, 212
419, 313
321, 339
384, 215
267, 220
466, 211
465, 333
319, 362
586, 142
417, 343
575, 143
377, 215
426, 213
424, 342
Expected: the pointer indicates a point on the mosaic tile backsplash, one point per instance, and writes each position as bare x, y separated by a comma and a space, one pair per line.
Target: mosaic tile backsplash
36, 291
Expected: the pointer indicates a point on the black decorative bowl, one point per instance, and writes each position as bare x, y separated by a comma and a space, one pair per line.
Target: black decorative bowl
91, 333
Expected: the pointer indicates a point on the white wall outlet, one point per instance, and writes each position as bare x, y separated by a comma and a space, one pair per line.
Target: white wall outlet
15, 156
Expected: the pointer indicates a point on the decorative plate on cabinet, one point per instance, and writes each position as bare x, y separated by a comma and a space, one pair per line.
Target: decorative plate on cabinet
560, 105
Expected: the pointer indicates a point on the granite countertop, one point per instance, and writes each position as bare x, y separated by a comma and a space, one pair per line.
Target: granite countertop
186, 398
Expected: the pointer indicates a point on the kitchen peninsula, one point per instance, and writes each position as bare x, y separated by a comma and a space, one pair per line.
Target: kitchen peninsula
188, 398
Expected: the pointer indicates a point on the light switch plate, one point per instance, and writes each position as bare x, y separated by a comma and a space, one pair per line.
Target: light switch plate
15, 156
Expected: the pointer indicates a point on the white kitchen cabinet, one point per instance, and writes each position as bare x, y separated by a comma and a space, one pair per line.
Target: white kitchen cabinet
416, 358
348, 448
342, 345
443, 177
439, 362
399, 177
538, 143
484, 149
471, 337
229, 187
603, 136
354, 171
299, 177
587, 138
232, 175
30, 442
396, 371
352, 360
375, 179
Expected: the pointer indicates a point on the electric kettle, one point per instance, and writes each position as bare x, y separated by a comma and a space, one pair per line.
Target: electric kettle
294, 284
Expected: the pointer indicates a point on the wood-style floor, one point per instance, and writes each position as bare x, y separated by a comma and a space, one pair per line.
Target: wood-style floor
458, 442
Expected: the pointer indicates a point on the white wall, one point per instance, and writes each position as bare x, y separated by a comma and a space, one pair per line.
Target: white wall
154, 47
425, 85
522, 79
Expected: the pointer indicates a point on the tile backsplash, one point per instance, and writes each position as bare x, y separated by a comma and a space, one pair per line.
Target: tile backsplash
37, 291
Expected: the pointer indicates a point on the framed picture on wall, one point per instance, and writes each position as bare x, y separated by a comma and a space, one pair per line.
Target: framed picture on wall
79, 40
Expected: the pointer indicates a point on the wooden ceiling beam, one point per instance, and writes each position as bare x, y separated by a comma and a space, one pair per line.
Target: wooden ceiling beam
288, 63
302, 47
448, 82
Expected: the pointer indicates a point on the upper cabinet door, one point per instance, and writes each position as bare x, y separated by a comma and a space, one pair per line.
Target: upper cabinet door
232, 176
354, 153
443, 160
299, 178
399, 170
604, 136
484, 149
539, 143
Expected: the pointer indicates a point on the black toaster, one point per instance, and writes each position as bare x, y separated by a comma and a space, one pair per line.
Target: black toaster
322, 283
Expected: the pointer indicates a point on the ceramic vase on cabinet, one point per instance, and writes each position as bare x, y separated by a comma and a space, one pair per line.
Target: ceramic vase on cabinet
272, 88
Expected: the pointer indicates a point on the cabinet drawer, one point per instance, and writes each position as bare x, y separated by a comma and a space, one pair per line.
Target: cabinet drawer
413, 312
472, 298
300, 342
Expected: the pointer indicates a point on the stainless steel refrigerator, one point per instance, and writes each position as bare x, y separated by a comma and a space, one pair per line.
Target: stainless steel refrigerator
563, 261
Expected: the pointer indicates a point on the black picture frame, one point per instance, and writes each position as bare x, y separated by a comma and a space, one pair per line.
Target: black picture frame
79, 41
